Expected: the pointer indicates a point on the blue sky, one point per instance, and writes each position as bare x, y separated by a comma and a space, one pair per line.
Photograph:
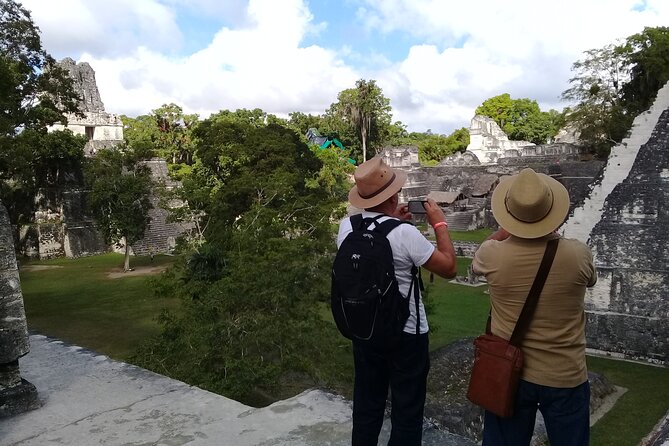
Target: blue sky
436, 60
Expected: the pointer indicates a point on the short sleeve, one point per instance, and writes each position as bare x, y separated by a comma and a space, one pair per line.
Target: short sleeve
481, 262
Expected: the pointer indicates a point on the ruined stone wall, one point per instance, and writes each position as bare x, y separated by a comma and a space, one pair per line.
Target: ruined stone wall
16, 394
628, 310
161, 233
61, 227
103, 130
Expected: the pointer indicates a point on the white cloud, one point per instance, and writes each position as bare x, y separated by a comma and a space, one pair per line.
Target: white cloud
261, 65
105, 28
525, 48
465, 52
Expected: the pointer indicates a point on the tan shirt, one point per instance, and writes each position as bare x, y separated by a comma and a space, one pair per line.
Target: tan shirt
554, 345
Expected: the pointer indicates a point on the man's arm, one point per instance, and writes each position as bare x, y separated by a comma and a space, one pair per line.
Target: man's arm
442, 261
499, 235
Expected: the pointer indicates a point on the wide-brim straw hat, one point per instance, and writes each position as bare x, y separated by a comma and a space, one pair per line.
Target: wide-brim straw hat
375, 182
530, 204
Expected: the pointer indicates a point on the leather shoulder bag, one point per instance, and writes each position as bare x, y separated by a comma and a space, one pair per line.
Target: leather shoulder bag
498, 363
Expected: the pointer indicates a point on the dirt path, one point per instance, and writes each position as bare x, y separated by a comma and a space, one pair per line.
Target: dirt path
138, 271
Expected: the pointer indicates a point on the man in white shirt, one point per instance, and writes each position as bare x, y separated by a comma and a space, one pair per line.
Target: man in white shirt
404, 368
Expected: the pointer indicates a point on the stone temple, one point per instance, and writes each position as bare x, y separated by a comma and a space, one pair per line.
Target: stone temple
61, 226
103, 130
625, 220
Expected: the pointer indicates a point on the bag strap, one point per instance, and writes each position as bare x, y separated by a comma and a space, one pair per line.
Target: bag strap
416, 283
531, 302
414, 287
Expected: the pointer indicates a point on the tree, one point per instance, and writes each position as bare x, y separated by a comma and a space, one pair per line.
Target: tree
174, 140
597, 89
520, 119
263, 267
302, 122
647, 54
366, 110
140, 135
615, 83
119, 197
433, 148
34, 93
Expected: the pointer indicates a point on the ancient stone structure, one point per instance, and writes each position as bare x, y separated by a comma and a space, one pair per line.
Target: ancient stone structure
489, 142
61, 227
406, 158
16, 394
626, 221
161, 234
103, 130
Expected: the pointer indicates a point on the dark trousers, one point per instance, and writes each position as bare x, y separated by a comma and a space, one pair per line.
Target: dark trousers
405, 369
566, 413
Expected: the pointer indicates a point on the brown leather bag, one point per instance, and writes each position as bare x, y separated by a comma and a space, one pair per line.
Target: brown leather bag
498, 363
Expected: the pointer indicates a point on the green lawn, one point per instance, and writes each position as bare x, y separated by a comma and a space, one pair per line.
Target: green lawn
471, 236
455, 311
639, 409
75, 300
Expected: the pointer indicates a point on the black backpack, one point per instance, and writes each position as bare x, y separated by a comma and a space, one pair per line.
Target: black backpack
366, 301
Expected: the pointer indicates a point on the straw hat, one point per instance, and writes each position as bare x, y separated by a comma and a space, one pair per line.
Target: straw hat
529, 204
375, 182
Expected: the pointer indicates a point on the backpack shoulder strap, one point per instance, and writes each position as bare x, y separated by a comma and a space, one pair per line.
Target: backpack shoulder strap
390, 224
356, 221
416, 283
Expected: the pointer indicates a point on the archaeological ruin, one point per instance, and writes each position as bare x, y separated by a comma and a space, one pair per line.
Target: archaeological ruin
16, 394
61, 227
103, 130
617, 207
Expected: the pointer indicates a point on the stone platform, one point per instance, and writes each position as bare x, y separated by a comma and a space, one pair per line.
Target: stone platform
89, 399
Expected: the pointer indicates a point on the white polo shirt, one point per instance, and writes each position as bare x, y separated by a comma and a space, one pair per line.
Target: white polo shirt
410, 248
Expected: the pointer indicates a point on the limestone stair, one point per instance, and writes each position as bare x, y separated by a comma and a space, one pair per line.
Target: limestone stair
621, 160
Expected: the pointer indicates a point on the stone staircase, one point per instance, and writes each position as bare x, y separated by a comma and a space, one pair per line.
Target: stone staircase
620, 161
160, 235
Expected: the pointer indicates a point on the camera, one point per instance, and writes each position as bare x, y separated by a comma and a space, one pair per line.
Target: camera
416, 206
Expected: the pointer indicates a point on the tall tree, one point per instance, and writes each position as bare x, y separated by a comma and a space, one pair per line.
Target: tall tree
119, 197
174, 140
615, 83
366, 110
647, 54
264, 265
597, 89
34, 93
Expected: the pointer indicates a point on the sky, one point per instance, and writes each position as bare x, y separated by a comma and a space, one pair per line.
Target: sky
436, 60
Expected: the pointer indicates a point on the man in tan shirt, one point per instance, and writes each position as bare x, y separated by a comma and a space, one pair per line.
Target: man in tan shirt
530, 207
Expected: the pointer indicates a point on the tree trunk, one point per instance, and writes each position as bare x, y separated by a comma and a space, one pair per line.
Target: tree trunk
364, 145
126, 262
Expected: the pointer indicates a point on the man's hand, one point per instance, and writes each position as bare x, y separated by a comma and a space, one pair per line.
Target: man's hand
402, 212
433, 212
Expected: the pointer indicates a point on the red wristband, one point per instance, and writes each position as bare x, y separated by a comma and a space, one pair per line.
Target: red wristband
439, 225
